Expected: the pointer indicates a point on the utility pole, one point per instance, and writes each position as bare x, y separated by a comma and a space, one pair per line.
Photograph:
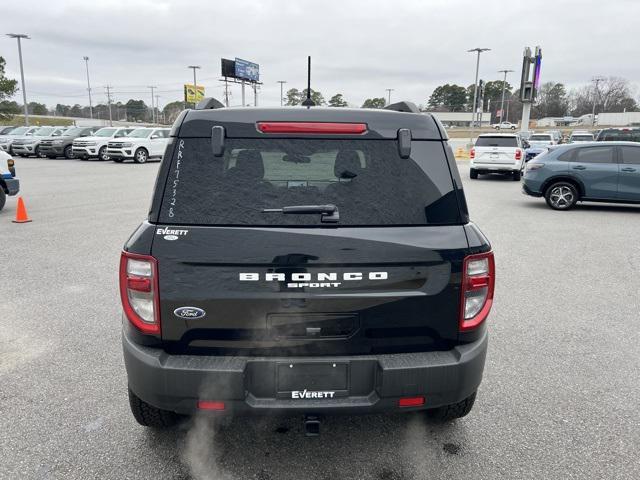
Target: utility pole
226, 92
281, 82
255, 94
19, 36
158, 107
108, 89
86, 62
596, 96
475, 90
389, 90
153, 114
195, 85
243, 94
504, 83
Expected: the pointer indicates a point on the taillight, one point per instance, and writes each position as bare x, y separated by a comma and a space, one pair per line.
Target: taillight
411, 402
331, 128
478, 281
518, 154
472, 153
139, 291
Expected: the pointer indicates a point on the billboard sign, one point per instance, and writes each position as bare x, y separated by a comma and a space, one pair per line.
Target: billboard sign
247, 70
193, 95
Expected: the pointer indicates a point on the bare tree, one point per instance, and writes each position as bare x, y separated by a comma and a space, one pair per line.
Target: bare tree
612, 94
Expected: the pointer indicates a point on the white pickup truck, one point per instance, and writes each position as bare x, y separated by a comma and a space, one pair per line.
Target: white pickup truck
504, 126
139, 146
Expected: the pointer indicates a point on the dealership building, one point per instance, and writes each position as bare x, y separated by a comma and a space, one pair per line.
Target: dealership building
461, 119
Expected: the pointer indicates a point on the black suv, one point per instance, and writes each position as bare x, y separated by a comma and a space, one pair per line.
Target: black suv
308, 260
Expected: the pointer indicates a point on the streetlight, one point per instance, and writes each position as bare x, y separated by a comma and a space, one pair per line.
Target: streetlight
475, 88
389, 90
195, 85
24, 91
281, 82
86, 61
504, 83
596, 81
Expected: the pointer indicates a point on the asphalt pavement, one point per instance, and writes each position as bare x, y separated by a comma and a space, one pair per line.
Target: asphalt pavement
559, 399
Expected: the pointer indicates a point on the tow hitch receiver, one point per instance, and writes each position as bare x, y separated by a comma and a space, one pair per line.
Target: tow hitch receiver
311, 426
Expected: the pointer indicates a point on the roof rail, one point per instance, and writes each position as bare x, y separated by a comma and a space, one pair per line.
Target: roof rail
408, 107
209, 103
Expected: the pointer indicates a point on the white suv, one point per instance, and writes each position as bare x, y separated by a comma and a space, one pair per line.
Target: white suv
96, 145
140, 145
498, 153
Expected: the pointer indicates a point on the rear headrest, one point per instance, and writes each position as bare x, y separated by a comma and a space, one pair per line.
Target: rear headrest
250, 164
347, 161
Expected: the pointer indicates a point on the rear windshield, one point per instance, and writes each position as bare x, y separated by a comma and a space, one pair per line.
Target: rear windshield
496, 142
540, 138
367, 180
621, 135
581, 138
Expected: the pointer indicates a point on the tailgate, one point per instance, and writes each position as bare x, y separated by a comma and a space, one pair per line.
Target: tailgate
309, 291
497, 155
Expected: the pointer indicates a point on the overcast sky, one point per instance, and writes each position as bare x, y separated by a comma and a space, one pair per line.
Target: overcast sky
358, 48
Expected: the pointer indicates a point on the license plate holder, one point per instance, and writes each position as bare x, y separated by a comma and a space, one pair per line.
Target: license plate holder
312, 377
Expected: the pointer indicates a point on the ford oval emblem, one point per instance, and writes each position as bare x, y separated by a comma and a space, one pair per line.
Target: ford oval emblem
170, 237
189, 312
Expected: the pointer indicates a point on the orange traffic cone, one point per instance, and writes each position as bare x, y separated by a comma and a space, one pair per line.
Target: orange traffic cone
21, 213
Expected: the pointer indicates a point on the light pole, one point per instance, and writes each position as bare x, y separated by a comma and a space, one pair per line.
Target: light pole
195, 85
153, 109
86, 62
504, 83
281, 82
24, 90
389, 90
475, 89
596, 81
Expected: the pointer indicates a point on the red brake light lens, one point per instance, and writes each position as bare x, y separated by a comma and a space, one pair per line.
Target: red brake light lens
209, 405
472, 153
139, 291
313, 128
478, 283
518, 154
411, 402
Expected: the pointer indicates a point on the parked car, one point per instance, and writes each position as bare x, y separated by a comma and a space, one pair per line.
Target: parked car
526, 134
619, 134
504, 126
6, 130
6, 141
497, 153
9, 184
62, 146
316, 260
557, 136
585, 172
580, 136
539, 143
95, 146
140, 145
30, 145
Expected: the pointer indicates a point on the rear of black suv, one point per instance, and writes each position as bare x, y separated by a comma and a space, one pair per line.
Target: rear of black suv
305, 260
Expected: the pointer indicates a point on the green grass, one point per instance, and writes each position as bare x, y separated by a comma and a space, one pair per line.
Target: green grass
35, 121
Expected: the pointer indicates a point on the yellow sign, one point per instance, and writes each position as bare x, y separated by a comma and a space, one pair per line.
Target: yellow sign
192, 95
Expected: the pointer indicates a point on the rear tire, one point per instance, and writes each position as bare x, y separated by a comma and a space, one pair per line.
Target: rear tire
149, 416
516, 176
3, 198
473, 173
561, 195
452, 412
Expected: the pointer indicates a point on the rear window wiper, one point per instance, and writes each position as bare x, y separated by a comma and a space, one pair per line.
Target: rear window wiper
328, 213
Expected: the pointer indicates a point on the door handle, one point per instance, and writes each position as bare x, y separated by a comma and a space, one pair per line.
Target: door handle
579, 167
627, 169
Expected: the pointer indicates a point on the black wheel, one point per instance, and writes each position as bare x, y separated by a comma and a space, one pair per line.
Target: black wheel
516, 176
36, 152
513, 128
149, 416
452, 412
561, 195
102, 154
68, 152
141, 156
3, 198
473, 173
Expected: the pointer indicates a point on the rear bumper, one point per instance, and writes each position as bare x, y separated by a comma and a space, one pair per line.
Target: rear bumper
250, 384
496, 167
527, 190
